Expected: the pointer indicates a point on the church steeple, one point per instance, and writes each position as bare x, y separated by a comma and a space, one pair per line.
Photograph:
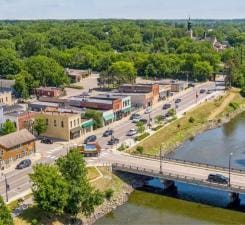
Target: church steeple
189, 28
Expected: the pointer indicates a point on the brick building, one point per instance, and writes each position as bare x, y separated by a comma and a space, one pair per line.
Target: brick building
16, 146
49, 92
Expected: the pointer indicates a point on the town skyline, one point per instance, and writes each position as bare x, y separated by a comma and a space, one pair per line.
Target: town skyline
108, 9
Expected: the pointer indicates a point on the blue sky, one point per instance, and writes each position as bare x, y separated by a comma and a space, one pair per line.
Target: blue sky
132, 9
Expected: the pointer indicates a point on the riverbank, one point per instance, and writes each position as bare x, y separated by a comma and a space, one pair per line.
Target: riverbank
206, 116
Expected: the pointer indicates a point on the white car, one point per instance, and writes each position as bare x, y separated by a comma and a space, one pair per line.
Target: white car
131, 132
148, 110
136, 119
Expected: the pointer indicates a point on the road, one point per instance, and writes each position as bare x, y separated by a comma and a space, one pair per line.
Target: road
19, 180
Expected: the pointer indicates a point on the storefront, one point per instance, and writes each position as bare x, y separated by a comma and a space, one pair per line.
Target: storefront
75, 133
87, 126
108, 117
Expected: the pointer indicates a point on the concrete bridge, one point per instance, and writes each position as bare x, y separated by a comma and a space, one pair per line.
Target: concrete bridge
170, 170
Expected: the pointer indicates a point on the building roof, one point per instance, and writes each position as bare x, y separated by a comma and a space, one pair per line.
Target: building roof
20, 137
48, 104
12, 108
7, 83
76, 73
49, 88
5, 90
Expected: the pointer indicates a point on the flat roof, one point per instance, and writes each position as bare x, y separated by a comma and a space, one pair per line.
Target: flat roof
93, 100
44, 104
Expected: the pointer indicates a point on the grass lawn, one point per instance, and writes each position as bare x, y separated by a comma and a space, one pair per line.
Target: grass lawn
182, 129
92, 173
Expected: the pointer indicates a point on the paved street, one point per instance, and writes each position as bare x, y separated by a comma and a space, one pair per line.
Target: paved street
19, 180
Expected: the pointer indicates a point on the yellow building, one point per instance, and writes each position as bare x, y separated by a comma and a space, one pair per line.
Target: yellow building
6, 97
63, 125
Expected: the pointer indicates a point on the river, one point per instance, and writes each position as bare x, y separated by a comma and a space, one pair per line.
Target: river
193, 205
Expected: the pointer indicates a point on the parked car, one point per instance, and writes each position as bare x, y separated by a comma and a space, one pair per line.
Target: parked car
23, 164
178, 100
202, 91
136, 119
191, 85
91, 138
218, 178
108, 133
166, 106
134, 115
209, 92
113, 141
46, 141
148, 110
132, 132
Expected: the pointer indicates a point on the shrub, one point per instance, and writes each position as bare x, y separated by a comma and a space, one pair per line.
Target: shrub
234, 105
157, 128
140, 149
142, 136
109, 193
34, 222
191, 120
242, 92
121, 148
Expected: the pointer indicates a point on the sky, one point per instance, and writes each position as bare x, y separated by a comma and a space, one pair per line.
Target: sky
123, 9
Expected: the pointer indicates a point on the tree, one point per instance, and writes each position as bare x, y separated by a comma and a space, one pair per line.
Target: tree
46, 70
123, 72
140, 127
158, 119
8, 127
171, 112
5, 216
202, 71
96, 116
49, 188
82, 198
40, 125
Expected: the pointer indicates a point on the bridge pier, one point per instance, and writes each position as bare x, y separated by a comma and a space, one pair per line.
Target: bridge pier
169, 186
234, 199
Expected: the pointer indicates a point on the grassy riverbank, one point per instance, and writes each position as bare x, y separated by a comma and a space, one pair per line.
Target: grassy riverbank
101, 178
202, 117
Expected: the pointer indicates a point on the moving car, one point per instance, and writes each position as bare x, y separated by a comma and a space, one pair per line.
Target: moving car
178, 100
134, 115
202, 91
23, 164
113, 141
131, 132
91, 138
46, 141
108, 133
166, 106
148, 110
218, 178
136, 119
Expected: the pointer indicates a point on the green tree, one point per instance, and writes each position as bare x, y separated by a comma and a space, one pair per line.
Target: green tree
96, 116
40, 125
5, 216
46, 70
82, 198
49, 188
202, 71
140, 127
8, 127
158, 119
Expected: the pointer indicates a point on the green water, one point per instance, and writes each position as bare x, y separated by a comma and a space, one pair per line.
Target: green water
152, 209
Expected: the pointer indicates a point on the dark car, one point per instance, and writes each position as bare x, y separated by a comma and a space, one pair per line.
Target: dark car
166, 106
178, 100
47, 141
113, 141
23, 164
143, 120
202, 91
91, 138
218, 178
209, 92
107, 133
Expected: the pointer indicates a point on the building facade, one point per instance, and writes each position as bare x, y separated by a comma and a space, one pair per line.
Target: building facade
6, 96
49, 92
15, 146
64, 125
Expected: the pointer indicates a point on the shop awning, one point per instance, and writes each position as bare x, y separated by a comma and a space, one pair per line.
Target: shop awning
108, 117
75, 130
88, 123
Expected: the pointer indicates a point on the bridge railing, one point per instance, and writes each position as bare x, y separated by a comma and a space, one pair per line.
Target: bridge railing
157, 157
172, 176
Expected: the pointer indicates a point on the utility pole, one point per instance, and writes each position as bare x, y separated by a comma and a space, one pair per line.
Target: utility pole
6, 187
161, 159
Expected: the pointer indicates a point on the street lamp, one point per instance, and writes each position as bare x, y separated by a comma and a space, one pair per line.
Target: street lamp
230, 156
161, 159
